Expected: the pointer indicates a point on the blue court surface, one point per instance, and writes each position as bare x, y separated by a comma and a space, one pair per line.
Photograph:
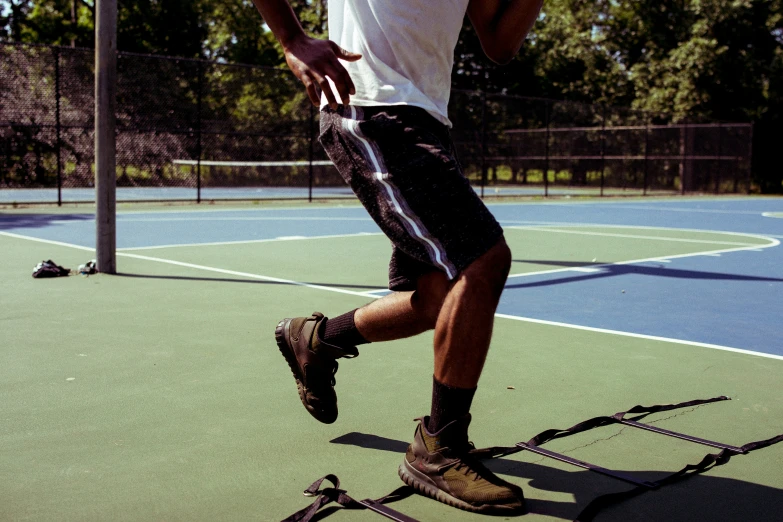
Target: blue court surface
725, 290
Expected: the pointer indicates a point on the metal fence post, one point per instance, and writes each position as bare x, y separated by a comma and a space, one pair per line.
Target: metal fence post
750, 158
646, 153
58, 146
483, 142
311, 122
199, 88
684, 158
546, 150
720, 158
603, 148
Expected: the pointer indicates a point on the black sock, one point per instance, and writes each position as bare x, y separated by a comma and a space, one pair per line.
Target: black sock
341, 331
448, 404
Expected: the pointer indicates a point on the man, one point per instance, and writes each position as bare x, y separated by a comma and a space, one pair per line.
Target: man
384, 80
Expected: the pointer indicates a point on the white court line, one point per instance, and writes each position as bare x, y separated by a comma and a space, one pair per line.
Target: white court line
638, 227
48, 241
251, 241
631, 236
371, 295
242, 274
680, 209
198, 267
661, 259
640, 336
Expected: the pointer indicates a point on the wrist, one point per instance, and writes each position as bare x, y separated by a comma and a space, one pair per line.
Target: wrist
290, 39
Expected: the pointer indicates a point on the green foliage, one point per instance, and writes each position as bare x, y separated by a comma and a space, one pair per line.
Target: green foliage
687, 59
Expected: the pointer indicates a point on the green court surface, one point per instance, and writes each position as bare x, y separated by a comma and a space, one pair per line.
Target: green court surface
159, 393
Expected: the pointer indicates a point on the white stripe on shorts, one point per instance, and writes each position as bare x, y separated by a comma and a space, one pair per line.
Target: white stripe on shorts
414, 225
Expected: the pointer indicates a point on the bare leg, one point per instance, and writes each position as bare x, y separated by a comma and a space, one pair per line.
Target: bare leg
404, 314
464, 326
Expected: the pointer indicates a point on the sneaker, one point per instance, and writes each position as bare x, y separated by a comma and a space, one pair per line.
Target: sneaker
439, 466
313, 363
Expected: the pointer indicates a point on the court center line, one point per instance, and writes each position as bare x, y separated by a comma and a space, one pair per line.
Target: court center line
251, 241
639, 336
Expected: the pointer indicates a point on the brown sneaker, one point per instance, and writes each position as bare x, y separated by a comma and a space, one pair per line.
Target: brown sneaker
313, 363
438, 465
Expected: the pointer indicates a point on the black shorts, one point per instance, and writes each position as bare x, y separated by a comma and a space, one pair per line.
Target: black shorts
401, 163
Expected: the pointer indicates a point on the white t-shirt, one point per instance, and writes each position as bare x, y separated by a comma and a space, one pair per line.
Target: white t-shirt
407, 49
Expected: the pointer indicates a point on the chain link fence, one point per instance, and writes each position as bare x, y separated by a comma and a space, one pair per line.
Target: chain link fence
198, 130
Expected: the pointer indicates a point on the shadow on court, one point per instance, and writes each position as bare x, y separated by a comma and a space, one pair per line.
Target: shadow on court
251, 281
16, 221
604, 270
699, 497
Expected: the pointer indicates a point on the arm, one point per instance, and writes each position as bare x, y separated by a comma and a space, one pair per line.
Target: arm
502, 25
311, 60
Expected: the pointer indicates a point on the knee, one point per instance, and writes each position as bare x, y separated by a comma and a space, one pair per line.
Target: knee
501, 260
492, 268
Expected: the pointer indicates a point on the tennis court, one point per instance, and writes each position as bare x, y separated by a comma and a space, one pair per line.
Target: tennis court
159, 393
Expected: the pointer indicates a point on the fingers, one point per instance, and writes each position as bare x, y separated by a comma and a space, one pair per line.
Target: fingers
326, 89
342, 79
315, 63
312, 93
342, 82
343, 54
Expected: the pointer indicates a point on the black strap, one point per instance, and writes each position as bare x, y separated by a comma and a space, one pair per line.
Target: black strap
335, 494
340, 496
709, 461
596, 422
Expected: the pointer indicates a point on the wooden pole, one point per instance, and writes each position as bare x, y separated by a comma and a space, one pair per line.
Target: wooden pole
105, 145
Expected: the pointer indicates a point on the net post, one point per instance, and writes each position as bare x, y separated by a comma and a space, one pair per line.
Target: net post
105, 140
58, 146
546, 150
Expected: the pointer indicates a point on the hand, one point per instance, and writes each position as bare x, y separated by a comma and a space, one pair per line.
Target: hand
312, 60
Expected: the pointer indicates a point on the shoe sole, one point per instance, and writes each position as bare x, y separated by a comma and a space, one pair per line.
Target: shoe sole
290, 358
423, 485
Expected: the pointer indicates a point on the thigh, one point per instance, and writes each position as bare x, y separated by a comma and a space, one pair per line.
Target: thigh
401, 164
